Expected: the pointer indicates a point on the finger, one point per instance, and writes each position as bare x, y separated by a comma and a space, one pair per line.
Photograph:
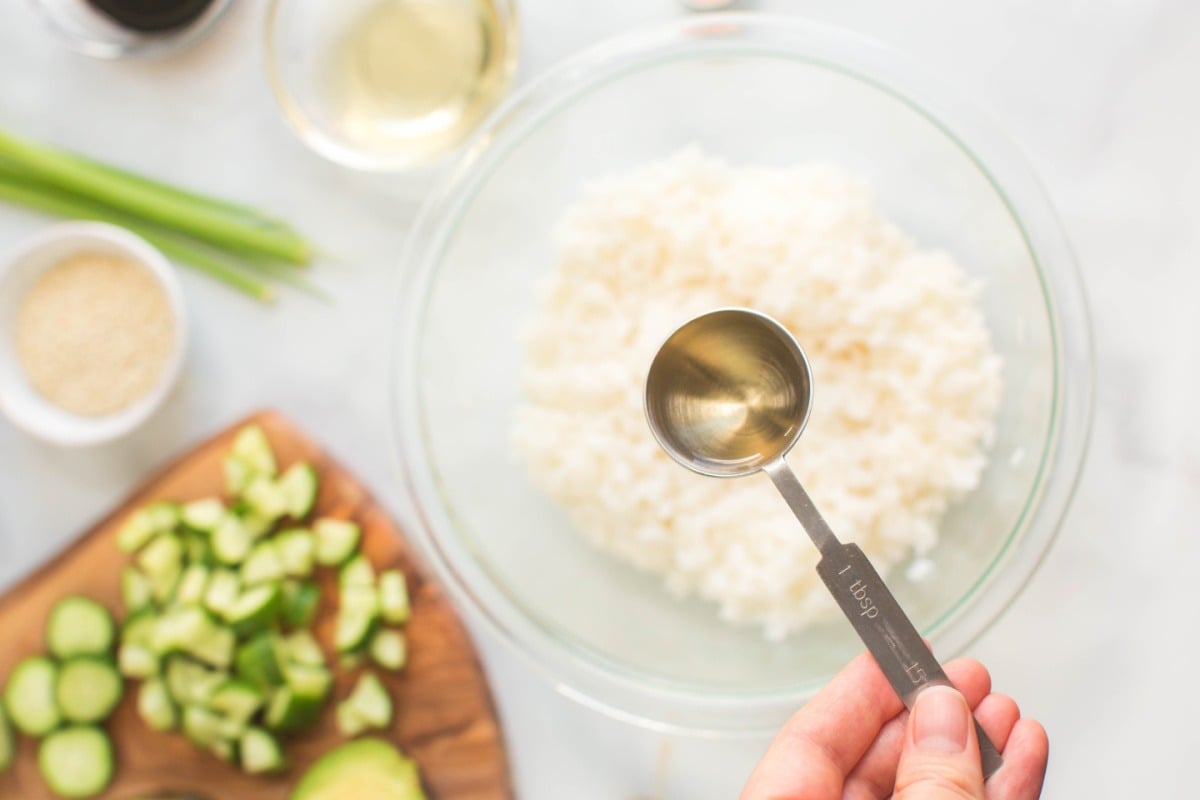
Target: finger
875, 774
821, 743
940, 757
998, 713
1024, 767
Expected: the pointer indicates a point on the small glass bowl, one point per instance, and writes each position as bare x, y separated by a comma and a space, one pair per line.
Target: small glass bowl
747, 88
87, 31
302, 41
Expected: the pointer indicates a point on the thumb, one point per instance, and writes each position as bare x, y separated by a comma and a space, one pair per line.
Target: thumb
940, 759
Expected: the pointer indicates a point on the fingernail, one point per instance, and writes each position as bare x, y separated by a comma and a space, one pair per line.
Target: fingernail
940, 720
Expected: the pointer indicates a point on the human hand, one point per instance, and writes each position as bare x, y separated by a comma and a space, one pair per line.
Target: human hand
855, 741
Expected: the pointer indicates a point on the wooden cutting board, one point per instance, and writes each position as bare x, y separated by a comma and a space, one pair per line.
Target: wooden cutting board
444, 714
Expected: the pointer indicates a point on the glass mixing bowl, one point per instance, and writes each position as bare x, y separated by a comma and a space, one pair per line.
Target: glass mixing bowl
748, 88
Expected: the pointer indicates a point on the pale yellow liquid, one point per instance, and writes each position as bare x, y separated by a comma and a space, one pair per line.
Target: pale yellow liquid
411, 78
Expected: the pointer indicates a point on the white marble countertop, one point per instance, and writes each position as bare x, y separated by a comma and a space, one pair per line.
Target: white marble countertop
1100, 95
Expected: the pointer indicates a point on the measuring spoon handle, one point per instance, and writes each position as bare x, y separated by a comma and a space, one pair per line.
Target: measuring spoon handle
887, 632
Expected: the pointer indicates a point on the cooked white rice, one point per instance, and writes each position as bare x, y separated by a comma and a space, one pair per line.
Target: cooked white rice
907, 384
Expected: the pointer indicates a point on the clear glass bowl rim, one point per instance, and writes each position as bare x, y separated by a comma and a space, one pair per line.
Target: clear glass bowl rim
617, 691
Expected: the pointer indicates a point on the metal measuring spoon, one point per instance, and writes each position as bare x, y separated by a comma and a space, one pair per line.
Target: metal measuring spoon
728, 394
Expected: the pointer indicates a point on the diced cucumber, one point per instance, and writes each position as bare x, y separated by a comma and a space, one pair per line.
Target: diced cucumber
197, 548
356, 618
79, 626
204, 515
155, 706
336, 540
238, 474
139, 629
236, 700
263, 565
231, 540
389, 650
29, 696
256, 662
215, 647
191, 683
368, 706
135, 590
145, 523
296, 548
302, 648
359, 600
256, 609
300, 602
192, 585
206, 727
260, 752
299, 487
357, 572
288, 711
8, 744
393, 597
137, 661
190, 630
162, 562
349, 723
353, 629
308, 681
251, 446
256, 524
88, 688
224, 588
76, 761
265, 498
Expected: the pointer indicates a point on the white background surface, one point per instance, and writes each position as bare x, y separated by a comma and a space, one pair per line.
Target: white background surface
1101, 94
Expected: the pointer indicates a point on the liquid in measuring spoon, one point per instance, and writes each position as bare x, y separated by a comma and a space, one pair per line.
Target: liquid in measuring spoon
733, 404
413, 76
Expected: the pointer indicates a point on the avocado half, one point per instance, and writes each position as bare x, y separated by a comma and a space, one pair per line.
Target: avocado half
365, 768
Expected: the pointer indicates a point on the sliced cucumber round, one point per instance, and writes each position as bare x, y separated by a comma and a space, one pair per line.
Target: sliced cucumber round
76, 762
29, 696
79, 626
88, 689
